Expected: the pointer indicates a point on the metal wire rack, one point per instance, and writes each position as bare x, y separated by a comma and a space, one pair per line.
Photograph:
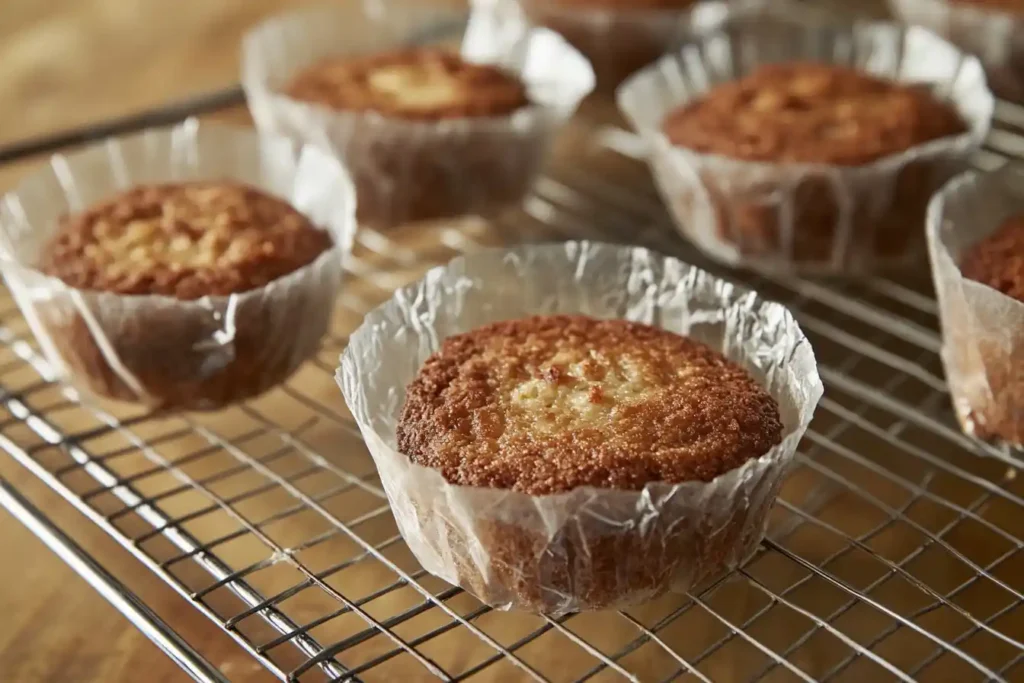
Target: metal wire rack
896, 551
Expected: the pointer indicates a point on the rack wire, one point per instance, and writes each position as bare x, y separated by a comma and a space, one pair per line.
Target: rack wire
894, 553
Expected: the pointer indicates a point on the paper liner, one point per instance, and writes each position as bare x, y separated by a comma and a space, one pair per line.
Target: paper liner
621, 39
589, 548
813, 217
995, 36
982, 328
419, 170
159, 350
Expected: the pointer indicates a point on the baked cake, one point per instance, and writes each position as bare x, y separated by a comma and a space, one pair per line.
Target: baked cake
998, 261
814, 114
811, 114
131, 257
185, 240
549, 404
420, 83
425, 132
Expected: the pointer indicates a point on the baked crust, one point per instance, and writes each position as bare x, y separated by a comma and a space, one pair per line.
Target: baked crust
185, 240
811, 113
420, 83
998, 260
548, 404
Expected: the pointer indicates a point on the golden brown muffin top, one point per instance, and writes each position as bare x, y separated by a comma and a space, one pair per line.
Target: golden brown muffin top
419, 83
185, 240
550, 403
998, 260
1014, 6
811, 113
627, 4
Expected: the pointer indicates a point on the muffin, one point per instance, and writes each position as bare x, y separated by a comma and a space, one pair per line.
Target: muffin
976, 232
565, 459
550, 404
186, 294
808, 162
428, 133
991, 29
423, 85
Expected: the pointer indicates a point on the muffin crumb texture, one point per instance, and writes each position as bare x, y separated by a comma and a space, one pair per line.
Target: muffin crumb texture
185, 240
421, 83
998, 260
547, 404
812, 113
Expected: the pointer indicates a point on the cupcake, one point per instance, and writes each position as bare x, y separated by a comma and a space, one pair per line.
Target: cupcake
622, 36
818, 150
991, 29
976, 240
186, 269
428, 132
556, 451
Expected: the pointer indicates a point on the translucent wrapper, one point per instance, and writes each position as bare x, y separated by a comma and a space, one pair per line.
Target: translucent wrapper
405, 170
814, 217
159, 350
588, 548
620, 39
982, 328
995, 36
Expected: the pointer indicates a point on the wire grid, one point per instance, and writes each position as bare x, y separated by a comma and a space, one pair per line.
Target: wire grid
895, 551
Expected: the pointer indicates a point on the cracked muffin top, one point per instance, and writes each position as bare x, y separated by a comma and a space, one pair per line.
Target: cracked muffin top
185, 240
812, 113
547, 404
420, 83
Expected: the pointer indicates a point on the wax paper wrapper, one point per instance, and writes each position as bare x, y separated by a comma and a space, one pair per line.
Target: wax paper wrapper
995, 35
620, 39
408, 171
816, 218
159, 350
589, 548
982, 328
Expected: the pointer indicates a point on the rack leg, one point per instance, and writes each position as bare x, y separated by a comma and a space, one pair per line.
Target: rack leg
116, 593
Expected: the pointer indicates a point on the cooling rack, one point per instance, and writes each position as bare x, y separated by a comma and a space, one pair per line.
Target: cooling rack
894, 552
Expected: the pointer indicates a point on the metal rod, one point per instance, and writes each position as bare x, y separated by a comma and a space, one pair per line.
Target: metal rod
115, 592
162, 116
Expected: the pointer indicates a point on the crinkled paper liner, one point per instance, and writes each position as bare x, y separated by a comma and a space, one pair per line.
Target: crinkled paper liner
995, 36
588, 548
982, 328
407, 171
159, 350
813, 217
621, 39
